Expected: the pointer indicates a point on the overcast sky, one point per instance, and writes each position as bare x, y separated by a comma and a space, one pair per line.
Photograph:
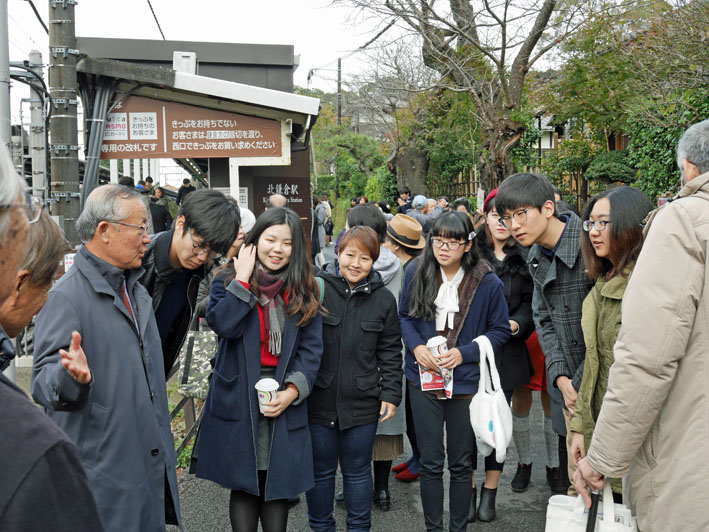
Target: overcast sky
319, 32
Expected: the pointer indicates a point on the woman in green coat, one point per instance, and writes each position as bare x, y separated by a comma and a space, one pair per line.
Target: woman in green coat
611, 242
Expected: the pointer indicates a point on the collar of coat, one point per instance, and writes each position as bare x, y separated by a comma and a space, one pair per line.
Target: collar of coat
614, 288
339, 283
696, 185
515, 261
470, 284
569, 247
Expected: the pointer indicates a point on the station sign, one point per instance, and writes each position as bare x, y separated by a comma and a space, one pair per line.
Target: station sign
143, 128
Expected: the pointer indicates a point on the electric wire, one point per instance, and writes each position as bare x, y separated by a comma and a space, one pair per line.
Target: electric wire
156, 20
38, 16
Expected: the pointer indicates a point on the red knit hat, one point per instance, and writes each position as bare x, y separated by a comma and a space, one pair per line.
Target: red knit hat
490, 196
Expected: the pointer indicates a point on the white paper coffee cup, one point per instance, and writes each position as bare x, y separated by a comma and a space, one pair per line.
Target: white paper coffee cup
437, 345
266, 390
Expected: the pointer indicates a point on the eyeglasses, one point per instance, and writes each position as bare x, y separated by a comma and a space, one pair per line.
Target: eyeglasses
32, 206
598, 225
202, 249
519, 216
438, 243
143, 229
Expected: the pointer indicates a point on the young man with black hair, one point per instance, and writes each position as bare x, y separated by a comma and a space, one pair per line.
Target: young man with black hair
527, 208
186, 189
177, 260
404, 200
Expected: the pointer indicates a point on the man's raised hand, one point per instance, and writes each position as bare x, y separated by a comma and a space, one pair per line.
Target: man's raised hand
74, 360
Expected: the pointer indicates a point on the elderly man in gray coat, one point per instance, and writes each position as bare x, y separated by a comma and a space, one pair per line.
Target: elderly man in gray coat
98, 368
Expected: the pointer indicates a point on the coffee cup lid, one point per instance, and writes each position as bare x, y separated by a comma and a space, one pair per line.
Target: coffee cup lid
267, 385
436, 341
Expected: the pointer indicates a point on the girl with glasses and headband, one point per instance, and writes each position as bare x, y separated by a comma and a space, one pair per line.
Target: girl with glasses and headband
611, 242
448, 292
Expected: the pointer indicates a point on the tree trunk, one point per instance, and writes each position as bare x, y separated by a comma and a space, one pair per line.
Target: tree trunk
496, 154
412, 168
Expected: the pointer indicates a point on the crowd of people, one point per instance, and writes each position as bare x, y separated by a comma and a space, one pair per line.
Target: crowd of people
604, 313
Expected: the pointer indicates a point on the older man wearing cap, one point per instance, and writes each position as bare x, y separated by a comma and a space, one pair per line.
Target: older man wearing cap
418, 213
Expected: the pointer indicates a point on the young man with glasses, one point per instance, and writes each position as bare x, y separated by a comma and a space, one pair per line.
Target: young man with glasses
178, 259
526, 206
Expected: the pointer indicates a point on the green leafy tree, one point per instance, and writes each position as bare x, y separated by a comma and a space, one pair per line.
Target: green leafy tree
611, 167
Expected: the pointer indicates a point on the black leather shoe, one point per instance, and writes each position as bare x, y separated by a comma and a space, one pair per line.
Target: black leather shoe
473, 514
521, 481
486, 510
340, 497
557, 481
382, 500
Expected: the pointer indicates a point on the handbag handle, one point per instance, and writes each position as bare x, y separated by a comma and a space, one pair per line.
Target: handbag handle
487, 354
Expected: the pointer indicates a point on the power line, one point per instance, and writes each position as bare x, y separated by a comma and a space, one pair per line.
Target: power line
23, 31
156, 20
38, 16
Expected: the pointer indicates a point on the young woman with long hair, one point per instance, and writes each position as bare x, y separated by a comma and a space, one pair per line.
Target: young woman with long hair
611, 242
264, 308
359, 382
448, 292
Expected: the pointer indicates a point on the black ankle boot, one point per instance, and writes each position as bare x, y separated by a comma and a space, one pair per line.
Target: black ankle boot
521, 481
486, 510
472, 515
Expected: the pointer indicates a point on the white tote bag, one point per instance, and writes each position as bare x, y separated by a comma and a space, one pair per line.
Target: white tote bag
569, 514
490, 415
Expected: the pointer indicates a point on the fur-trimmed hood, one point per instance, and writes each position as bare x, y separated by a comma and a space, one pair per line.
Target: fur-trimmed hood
515, 263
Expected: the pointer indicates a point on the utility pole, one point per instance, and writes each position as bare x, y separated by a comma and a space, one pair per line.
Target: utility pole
5, 135
339, 91
38, 147
64, 146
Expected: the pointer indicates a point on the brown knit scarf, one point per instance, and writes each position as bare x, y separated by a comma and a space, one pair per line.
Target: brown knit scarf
274, 315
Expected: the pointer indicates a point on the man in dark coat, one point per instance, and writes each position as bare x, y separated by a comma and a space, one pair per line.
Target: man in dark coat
177, 260
42, 484
98, 367
186, 189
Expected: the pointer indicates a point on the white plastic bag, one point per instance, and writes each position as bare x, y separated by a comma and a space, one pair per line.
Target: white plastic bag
569, 514
490, 415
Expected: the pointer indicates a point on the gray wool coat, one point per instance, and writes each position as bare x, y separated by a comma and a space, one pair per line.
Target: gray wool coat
120, 420
560, 286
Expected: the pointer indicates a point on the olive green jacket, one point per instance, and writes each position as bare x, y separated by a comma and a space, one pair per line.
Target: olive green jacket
600, 323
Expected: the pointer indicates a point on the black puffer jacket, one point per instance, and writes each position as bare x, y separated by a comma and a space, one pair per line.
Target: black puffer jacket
513, 360
159, 273
361, 363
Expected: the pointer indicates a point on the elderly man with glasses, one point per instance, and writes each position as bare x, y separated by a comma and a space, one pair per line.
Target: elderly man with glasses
177, 260
98, 367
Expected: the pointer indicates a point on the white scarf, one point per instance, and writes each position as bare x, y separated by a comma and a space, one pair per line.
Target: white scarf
447, 299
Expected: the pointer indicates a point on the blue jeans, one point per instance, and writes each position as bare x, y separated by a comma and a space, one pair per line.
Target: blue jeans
353, 449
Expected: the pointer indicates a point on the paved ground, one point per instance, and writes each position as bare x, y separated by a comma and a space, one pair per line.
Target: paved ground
205, 504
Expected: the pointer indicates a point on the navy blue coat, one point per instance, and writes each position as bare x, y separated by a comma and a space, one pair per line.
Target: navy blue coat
228, 432
488, 315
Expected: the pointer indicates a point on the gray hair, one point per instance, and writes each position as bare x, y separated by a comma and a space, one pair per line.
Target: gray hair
45, 248
11, 185
104, 203
694, 147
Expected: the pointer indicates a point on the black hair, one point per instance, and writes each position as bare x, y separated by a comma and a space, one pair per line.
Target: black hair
461, 201
141, 182
369, 215
186, 181
629, 207
213, 216
524, 190
454, 225
127, 181
563, 205
404, 190
412, 252
299, 279
148, 179
384, 206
